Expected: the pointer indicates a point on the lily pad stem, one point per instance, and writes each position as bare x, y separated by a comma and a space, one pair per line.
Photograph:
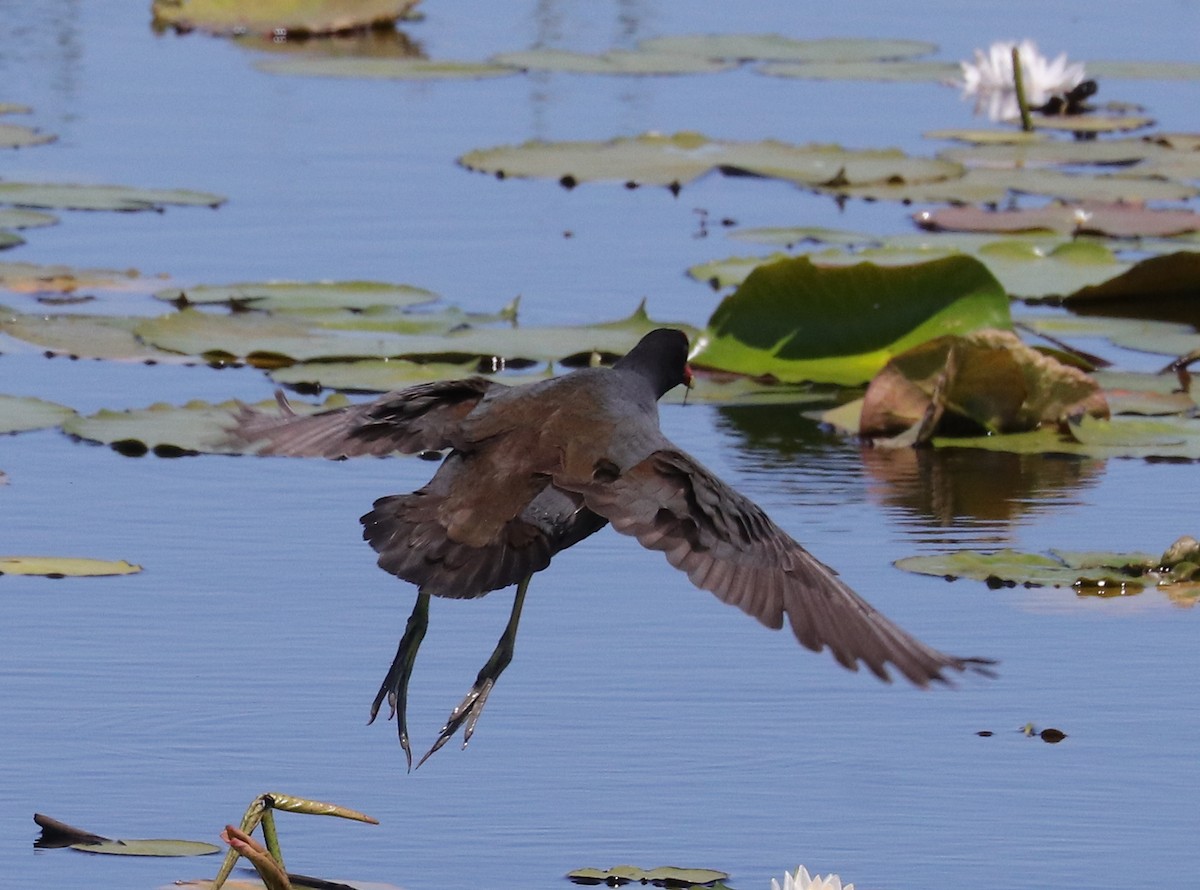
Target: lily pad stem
1019, 86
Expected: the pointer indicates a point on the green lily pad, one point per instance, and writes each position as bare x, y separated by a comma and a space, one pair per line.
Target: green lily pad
1149, 395
10, 239
16, 136
19, 414
172, 431
1143, 335
1091, 572
388, 68
988, 137
64, 196
1128, 70
368, 376
274, 341
269, 16
1092, 123
1116, 220
149, 847
85, 336
292, 296
64, 566
655, 159
1011, 567
794, 320
612, 62
905, 71
792, 235
1023, 153
774, 47
1163, 437
21, 218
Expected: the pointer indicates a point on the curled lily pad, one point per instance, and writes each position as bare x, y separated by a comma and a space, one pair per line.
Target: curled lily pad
763, 47
23, 414
268, 16
1161, 277
794, 320
612, 62
16, 136
985, 380
390, 68
656, 159
65, 196
64, 566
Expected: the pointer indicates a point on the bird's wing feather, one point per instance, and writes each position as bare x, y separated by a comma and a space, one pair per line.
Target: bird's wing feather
421, 418
726, 544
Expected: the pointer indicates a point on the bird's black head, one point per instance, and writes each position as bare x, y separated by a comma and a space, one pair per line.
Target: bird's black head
662, 358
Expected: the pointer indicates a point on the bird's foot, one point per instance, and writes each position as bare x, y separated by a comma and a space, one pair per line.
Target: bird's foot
468, 711
395, 685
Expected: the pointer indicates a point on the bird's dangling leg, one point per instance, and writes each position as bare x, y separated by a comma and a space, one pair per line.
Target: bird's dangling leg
469, 709
395, 685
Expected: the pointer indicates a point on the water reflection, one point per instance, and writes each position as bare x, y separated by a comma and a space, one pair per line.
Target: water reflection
943, 496
43, 51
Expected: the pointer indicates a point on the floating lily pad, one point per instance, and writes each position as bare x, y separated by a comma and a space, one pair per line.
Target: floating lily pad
291, 296
394, 68
665, 876
905, 71
1022, 153
612, 62
655, 159
34, 278
1085, 571
149, 847
368, 376
275, 341
1117, 220
85, 336
19, 414
795, 320
1164, 437
16, 136
268, 16
21, 218
169, 430
1092, 123
1125, 70
764, 47
1160, 277
64, 566
1158, 337
988, 137
64, 196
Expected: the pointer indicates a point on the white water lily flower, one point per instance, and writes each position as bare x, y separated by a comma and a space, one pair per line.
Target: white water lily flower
990, 78
802, 880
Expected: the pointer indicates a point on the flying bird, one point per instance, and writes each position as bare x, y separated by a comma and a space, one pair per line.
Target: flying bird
534, 469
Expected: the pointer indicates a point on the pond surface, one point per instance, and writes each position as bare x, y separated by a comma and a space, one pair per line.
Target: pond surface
641, 721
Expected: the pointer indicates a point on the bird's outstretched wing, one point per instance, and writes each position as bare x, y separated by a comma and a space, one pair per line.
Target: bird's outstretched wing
726, 544
421, 418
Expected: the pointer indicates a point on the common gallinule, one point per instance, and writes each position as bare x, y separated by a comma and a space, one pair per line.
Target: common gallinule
534, 469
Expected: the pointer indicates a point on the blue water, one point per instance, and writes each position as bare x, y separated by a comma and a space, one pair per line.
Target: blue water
641, 720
